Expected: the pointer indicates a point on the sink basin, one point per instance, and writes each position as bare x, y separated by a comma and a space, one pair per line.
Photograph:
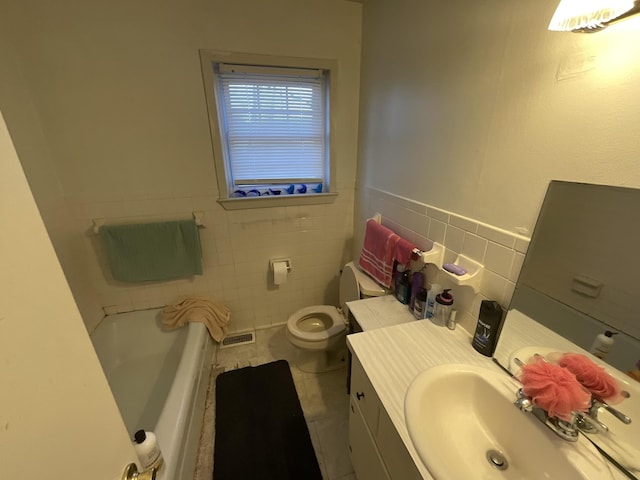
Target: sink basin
621, 440
463, 424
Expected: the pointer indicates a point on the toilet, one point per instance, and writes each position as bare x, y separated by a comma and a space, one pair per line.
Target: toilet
319, 331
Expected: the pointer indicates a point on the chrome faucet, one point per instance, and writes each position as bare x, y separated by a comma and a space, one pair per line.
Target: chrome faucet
595, 425
565, 430
568, 430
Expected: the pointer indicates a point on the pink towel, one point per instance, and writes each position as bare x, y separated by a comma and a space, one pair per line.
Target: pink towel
378, 252
403, 251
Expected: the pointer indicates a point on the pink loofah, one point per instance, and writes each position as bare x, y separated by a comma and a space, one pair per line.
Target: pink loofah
554, 389
593, 377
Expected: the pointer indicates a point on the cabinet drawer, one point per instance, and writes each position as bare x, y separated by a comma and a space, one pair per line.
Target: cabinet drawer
364, 395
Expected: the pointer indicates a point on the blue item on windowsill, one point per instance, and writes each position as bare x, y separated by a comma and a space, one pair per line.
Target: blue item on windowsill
302, 189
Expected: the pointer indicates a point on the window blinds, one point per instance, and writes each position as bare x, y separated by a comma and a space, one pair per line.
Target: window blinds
274, 124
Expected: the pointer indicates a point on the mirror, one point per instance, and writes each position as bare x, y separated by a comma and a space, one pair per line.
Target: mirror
581, 273
580, 278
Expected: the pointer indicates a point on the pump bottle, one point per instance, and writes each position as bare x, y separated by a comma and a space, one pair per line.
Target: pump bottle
444, 303
148, 451
602, 344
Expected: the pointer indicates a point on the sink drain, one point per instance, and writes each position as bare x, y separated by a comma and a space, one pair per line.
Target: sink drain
497, 460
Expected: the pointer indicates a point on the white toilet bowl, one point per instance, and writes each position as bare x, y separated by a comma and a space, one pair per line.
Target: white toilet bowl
316, 328
318, 332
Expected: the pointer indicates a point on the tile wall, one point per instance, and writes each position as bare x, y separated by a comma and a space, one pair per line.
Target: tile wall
501, 252
237, 246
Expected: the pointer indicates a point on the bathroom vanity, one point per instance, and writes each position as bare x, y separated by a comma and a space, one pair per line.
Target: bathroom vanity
386, 361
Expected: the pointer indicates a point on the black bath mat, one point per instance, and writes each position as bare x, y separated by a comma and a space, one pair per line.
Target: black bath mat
261, 433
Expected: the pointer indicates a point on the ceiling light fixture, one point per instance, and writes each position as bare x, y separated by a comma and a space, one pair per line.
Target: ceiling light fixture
591, 15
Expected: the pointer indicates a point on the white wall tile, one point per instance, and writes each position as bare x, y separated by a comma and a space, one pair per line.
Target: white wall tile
518, 260
474, 247
499, 259
496, 235
463, 223
522, 244
454, 238
491, 246
437, 230
494, 287
438, 214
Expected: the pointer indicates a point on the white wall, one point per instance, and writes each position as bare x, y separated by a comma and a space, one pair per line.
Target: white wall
467, 112
119, 96
462, 107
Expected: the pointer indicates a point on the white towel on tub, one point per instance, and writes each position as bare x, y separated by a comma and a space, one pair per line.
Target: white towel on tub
198, 309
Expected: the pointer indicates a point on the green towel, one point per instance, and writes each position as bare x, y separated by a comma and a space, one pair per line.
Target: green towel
153, 251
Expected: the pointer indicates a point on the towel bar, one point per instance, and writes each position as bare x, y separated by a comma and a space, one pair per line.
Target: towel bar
98, 222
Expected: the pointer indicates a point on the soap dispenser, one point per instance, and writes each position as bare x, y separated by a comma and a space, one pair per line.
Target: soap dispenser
444, 302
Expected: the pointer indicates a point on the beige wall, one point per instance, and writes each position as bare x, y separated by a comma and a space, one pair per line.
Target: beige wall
468, 109
52, 382
118, 94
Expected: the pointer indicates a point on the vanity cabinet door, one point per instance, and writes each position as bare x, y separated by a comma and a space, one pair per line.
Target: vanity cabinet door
392, 449
365, 458
364, 395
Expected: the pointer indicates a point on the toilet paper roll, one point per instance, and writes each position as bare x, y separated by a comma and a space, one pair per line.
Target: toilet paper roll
280, 273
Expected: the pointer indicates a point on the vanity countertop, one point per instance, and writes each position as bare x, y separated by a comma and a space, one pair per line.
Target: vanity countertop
380, 312
393, 356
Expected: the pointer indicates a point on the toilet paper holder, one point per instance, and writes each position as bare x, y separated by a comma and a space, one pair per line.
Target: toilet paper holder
278, 260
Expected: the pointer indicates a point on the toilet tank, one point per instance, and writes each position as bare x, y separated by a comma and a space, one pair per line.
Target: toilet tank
355, 284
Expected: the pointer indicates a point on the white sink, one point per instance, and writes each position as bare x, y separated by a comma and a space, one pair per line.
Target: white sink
462, 421
621, 442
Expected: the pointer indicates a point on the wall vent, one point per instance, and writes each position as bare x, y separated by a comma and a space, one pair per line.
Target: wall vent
238, 339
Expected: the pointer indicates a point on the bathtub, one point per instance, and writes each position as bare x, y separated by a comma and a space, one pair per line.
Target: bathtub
159, 381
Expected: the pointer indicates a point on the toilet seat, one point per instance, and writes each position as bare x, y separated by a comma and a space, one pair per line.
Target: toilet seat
316, 317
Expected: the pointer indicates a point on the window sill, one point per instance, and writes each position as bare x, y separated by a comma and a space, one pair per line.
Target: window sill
276, 201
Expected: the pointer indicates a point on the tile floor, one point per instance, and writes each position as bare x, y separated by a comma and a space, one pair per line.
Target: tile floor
323, 398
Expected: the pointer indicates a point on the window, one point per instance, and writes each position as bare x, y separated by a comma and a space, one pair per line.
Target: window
270, 126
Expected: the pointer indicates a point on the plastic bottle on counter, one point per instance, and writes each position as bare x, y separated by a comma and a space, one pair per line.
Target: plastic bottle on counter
397, 275
420, 305
488, 328
417, 284
431, 299
148, 451
451, 323
403, 287
444, 303
602, 344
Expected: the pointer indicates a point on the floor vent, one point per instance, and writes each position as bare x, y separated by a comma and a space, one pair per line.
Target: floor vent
238, 339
